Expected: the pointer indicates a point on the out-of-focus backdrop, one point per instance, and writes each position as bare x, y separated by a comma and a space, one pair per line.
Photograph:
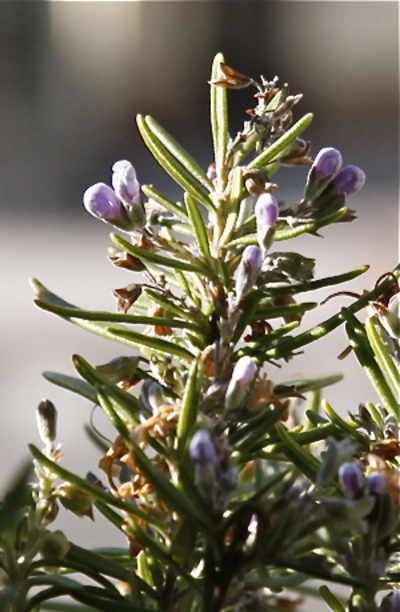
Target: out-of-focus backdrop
73, 77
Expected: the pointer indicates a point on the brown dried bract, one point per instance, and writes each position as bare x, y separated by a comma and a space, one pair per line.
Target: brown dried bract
233, 79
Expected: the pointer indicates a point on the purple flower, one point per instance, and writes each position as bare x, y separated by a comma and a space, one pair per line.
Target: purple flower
376, 483
266, 210
101, 202
242, 378
202, 450
327, 162
350, 479
125, 183
248, 270
350, 179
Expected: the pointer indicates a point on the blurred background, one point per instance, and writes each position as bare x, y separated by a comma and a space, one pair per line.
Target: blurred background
74, 74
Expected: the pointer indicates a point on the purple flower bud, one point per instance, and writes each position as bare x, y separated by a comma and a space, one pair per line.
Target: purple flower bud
202, 450
327, 162
350, 479
101, 202
350, 179
125, 183
376, 483
395, 602
267, 211
242, 378
248, 271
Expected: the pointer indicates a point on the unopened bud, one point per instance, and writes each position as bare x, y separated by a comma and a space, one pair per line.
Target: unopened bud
54, 545
248, 270
376, 483
46, 419
202, 450
350, 479
324, 168
267, 211
75, 500
125, 183
327, 163
350, 180
127, 188
239, 386
101, 202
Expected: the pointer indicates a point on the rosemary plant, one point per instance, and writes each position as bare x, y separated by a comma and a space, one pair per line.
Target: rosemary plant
234, 493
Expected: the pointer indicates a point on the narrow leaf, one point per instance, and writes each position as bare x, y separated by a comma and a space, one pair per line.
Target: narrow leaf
178, 151
188, 412
218, 113
145, 255
99, 315
72, 384
49, 300
302, 458
157, 344
198, 225
382, 355
153, 194
363, 351
286, 234
171, 165
279, 145
344, 425
331, 599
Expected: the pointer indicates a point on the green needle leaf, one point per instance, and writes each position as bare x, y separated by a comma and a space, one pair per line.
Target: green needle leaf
145, 255
171, 165
153, 194
302, 458
218, 113
188, 413
198, 225
178, 151
98, 315
157, 344
279, 145
72, 384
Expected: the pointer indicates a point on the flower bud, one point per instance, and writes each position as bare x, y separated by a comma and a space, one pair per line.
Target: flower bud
202, 449
46, 419
350, 179
54, 544
376, 483
327, 163
101, 202
125, 183
324, 168
350, 479
248, 270
75, 500
127, 188
267, 211
239, 386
